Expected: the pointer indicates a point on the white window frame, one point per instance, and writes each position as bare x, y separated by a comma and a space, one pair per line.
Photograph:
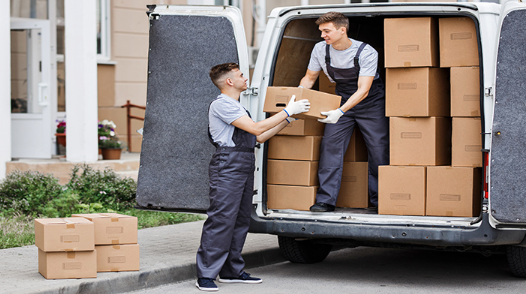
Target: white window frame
105, 29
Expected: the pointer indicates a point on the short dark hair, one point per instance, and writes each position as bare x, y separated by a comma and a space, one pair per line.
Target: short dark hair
338, 19
219, 71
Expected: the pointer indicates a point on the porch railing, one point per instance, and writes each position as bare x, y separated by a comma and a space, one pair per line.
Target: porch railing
129, 117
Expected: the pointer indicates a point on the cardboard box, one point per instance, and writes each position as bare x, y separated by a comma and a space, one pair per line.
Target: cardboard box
417, 92
67, 265
453, 191
294, 148
64, 234
420, 141
357, 150
118, 258
402, 190
290, 197
354, 189
292, 172
303, 127
278, 97
411, 42
326, 85
112, 228
458, 42
465, 91
466, 142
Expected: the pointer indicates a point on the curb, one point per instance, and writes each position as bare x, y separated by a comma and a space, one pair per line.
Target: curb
134, 281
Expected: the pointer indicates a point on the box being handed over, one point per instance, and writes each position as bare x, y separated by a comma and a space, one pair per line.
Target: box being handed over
278, 97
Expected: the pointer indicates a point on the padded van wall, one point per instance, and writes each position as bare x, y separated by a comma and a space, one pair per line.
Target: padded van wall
175, 150
508, 155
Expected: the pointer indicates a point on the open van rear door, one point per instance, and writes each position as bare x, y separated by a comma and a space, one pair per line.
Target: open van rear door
185, 42
508, 152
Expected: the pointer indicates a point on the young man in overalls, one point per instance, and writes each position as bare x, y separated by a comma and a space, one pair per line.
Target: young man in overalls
233, 132
353, 66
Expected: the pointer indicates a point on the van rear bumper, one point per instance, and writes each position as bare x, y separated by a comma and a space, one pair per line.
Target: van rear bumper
481, 234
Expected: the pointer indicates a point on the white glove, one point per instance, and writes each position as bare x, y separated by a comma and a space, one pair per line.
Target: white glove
295, 107
332, 116
290, 119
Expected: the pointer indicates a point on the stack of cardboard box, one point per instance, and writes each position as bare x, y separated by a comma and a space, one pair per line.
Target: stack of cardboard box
115, 241
84, 244
292, 166
420, 180
66, 248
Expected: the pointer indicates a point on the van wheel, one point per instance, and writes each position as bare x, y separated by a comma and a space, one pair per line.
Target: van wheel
303, 251
517, 260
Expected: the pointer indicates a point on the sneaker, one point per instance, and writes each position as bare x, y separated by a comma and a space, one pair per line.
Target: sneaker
206, 284
321, 207
243, 278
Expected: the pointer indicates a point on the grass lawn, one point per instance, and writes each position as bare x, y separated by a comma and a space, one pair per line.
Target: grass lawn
20, 231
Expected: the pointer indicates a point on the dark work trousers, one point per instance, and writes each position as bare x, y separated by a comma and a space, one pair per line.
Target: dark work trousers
369, 116
231, 174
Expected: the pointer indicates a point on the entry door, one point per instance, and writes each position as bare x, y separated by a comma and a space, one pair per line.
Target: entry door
185, 42
507, 196
31, 112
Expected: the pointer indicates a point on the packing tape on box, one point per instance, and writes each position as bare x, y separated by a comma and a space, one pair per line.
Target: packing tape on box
117, 247
70, 255
407, 64
475, 113
114, 219
449, 213
115, 242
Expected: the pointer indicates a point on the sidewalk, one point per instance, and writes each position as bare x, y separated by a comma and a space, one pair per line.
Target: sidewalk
167, 256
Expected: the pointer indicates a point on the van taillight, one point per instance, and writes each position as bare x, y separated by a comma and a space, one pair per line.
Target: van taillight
486, 173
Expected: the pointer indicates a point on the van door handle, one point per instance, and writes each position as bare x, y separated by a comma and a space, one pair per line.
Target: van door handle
43, 94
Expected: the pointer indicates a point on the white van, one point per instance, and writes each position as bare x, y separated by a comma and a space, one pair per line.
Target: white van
186, 41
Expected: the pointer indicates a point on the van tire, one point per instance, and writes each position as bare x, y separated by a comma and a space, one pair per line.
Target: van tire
517, 260
305, 251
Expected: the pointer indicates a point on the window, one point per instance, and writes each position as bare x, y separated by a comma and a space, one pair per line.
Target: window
103, 30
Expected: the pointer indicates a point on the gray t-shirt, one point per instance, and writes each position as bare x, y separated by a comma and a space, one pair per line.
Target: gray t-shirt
345, 59
223, 111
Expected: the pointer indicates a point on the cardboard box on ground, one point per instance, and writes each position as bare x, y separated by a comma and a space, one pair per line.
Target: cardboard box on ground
67, 245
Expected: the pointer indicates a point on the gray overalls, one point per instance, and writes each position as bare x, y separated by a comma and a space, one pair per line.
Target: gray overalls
369, 115
231, 174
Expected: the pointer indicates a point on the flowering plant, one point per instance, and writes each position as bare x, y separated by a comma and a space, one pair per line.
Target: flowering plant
113, 142
61, 126
106, 128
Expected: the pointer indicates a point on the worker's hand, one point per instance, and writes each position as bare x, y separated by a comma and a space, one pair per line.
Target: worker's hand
290, 119
332, 116
295, 107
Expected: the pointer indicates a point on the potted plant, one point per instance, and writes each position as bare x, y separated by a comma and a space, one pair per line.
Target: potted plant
110, 147
60, 133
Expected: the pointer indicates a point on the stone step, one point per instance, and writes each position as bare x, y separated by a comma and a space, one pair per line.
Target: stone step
127, 166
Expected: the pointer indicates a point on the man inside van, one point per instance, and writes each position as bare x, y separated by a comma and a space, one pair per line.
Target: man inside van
233, 132
353, 66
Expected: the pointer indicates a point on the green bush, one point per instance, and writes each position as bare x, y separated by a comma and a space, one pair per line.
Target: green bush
103, 187
28, 192
16, 231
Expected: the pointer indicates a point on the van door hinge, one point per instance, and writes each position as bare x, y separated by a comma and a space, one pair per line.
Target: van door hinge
488, 91
251, 91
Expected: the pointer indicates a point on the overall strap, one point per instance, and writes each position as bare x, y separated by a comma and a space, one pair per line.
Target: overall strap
357, 56
327, 54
